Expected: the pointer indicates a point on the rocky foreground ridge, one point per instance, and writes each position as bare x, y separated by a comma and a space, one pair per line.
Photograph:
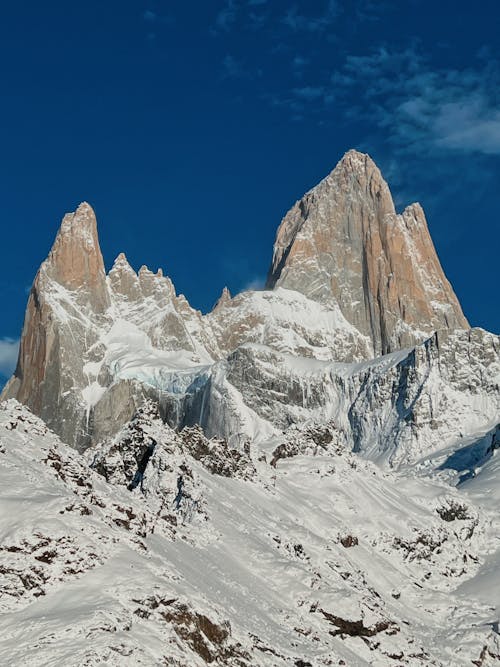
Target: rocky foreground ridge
168, 548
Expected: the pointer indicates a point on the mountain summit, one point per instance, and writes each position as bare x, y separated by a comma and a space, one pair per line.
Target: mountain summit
350, 280
344, 243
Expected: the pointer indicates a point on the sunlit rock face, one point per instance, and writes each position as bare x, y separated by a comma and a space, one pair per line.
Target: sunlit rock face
67, 302
344, 243
350, 280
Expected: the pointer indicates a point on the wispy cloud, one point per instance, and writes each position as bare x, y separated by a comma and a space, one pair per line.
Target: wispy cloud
226, 17
371, 10
299, 65
154, 21
309, 93
422, 108
232, 68
299, 62
255, 14
257, 21
303, 101
255, 284
9, 349
297, 21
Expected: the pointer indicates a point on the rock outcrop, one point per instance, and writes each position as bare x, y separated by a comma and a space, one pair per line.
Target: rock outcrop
344, 243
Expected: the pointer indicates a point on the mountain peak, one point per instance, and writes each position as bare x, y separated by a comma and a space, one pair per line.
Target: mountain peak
355, 162
354, 159
81, 222
343, 243
123, 279
121, 260
224, 298
75, 260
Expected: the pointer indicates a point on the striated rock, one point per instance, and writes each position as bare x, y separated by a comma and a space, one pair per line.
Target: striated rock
344, 243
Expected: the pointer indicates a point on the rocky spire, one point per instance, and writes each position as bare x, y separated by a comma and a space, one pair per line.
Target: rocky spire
75, 260
343, 242
123, 279
224, 298
69, 289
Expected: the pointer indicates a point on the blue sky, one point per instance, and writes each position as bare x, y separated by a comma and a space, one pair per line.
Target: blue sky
192, 127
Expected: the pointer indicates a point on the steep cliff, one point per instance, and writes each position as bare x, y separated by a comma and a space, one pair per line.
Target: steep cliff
344, 244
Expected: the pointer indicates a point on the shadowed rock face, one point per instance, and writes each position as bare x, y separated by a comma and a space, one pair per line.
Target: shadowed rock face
343, 242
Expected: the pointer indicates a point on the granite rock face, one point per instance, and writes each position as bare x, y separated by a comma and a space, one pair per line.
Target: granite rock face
344, 243
69, 290
75, 260
394, 410
350, 280
74, 316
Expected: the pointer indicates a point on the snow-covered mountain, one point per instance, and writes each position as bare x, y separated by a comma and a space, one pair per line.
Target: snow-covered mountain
255, 485
349, 279
165, 548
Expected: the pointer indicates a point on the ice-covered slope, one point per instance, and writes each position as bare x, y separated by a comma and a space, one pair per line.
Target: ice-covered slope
297, 553
394, 410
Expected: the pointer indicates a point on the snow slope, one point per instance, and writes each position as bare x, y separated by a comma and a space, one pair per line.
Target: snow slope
295, 552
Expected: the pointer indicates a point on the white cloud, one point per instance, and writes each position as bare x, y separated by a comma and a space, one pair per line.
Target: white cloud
9, 349
424, 108
255, 284
469, 125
